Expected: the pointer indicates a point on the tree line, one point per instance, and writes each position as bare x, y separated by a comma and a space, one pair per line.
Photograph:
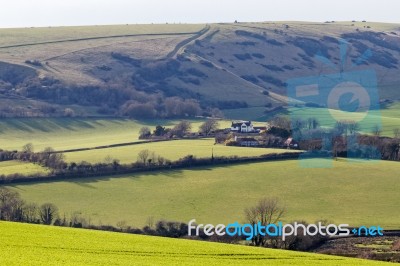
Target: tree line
180, 130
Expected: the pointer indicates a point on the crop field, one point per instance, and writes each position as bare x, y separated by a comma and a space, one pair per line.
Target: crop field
171, 150
24, 244
65, 133
12, 167
352, 192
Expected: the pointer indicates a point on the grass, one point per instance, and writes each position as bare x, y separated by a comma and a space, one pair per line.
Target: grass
12, 167
70, 133
24, 244
350, 192
392, 110
386, 118
20, 36
172, 150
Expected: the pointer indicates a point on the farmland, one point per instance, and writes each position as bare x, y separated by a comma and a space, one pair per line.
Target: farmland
12, 167
42, 245
72, 133
350, 192
386, 118
171, 150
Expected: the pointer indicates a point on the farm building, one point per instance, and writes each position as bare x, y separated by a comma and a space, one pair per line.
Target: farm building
243, 127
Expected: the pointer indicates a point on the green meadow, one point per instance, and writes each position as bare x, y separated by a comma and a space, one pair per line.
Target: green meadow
172, 150
386, 119
72, 133
357, 193
12, 167
25, 244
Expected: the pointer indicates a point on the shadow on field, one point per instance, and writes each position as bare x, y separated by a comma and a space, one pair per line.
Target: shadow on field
173, 173
46, 124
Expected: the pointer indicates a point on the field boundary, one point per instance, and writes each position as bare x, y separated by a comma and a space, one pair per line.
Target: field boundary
131, 169
103, 37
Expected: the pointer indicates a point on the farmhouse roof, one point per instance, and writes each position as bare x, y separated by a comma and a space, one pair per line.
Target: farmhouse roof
240, 123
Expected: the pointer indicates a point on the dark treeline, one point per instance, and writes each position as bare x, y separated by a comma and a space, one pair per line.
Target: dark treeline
119, 98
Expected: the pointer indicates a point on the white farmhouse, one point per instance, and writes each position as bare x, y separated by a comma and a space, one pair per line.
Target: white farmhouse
242, 127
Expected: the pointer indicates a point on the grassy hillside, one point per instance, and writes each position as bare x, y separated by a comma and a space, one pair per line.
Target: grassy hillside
354, 193
70, 133
24, 244
218, 64
12, 167
172, 150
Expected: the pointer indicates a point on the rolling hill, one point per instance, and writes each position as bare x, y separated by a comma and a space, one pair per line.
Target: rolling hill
24, 244
228, 66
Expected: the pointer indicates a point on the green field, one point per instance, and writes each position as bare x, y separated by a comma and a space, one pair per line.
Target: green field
172, 150
353, 193
12, 167
388, 119
392, 110
65, 133
24, 244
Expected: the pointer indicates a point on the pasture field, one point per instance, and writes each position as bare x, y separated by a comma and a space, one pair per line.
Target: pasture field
171, 150
392, 110
72, 133
351, 192
387, 118
24, 244
12, 167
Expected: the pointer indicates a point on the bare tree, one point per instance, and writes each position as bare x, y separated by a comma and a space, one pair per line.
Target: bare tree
144, 133
10, 204
28, 148
281, 122
143, 156
377, 130
182, 128
48, 212
31, 213
108, 159
267, 211
122, 225
209, 126
353, 127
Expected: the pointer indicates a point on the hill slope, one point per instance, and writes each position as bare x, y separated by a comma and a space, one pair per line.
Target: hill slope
221, 65
24, 244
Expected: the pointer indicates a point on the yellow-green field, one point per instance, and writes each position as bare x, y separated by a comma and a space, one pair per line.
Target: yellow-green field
24, 244
172, 150
350, 192
65, 133
12, 167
